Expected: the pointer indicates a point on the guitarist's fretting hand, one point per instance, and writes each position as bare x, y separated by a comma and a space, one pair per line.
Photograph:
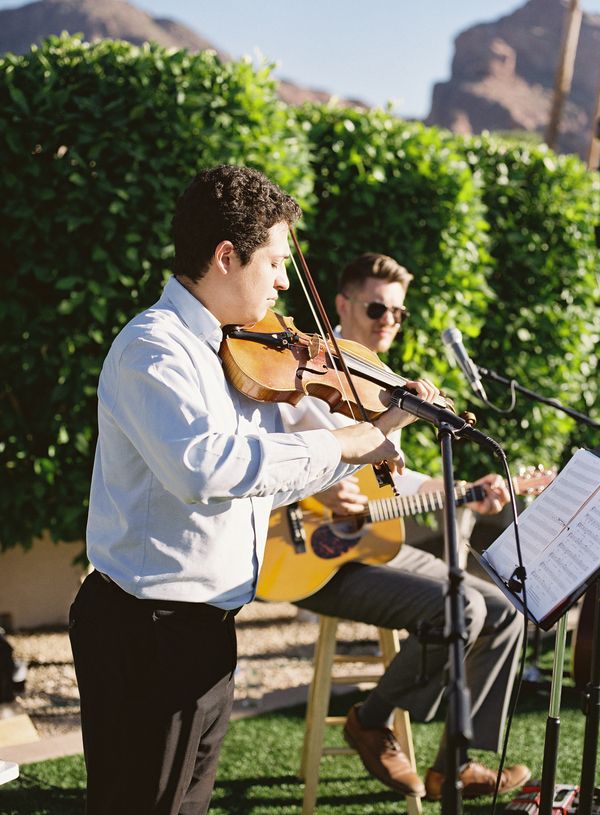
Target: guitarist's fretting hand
496, 495
495, 487
345, 497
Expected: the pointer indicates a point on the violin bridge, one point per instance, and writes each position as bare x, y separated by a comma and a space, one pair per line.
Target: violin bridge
314, 346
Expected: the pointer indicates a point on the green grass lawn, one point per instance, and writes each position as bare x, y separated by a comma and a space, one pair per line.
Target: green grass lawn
257, 772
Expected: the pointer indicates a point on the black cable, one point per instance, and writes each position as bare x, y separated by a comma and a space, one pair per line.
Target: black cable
513, 400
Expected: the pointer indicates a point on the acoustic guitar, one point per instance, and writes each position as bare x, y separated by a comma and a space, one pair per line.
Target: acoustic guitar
306, 545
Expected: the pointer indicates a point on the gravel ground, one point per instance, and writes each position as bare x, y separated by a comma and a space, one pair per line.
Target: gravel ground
275, 645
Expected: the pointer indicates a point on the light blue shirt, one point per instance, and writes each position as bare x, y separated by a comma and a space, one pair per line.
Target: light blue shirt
187, 469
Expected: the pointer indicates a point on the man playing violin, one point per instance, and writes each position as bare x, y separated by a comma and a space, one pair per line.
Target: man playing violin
187, 470
411, 588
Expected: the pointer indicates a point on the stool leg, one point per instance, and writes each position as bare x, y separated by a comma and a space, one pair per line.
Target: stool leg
403, 733
316, 711
390, 645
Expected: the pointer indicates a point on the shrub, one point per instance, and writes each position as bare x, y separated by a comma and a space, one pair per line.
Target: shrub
96, 143
542, 324
383, 185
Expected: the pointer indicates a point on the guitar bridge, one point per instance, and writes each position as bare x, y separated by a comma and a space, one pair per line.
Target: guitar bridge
295, 520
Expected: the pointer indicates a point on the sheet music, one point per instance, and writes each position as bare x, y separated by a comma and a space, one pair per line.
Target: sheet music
559, 534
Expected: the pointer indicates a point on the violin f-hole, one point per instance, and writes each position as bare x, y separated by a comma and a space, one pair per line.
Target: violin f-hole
303, 369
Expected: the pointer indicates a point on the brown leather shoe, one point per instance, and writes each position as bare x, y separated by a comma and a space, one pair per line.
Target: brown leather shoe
478, 780
382, 755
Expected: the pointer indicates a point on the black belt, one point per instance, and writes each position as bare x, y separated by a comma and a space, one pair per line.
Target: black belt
203, 609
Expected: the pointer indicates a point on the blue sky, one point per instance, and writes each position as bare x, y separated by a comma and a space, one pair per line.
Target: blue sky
373, 50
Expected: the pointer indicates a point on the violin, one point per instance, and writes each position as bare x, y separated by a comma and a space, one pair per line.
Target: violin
292, 364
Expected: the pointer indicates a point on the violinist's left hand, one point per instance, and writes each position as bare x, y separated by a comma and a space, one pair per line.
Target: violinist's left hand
496, 495
395, 418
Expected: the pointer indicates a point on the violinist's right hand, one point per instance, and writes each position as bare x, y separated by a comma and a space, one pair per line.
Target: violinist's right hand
363, 443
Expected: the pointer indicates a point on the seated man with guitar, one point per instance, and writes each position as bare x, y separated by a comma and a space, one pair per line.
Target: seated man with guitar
326, 576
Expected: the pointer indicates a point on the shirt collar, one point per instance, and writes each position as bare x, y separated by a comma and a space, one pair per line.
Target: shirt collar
196, 316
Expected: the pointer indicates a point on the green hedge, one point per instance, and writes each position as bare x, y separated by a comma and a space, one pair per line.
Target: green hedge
500, 239
382, 185
542, 325
96, 143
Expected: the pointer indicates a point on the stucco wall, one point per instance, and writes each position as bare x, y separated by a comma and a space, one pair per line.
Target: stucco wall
38, 585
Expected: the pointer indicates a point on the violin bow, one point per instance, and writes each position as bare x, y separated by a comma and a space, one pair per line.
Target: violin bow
382, 471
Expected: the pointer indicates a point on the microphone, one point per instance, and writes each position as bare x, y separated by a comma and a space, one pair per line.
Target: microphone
436, 415
452, 338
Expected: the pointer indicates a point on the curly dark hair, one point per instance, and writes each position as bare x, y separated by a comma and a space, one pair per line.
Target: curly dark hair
227, 202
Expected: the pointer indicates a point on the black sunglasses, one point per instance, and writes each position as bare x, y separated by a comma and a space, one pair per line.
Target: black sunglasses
375, 310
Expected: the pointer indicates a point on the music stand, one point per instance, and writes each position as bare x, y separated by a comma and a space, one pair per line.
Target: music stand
592, 722
553, 720
554, 599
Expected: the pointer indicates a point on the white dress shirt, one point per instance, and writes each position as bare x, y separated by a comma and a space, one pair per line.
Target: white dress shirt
187, 469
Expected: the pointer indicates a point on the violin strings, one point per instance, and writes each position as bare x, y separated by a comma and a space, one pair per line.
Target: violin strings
379, 372
322, 334
385, 375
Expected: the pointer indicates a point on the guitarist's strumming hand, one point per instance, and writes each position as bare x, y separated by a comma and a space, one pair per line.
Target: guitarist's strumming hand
344, 498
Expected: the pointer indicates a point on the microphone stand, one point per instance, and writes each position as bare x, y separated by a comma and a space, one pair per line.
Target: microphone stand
459, 702
537, 397
459, 729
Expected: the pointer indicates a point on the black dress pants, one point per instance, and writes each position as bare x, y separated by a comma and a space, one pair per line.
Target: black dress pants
156, 686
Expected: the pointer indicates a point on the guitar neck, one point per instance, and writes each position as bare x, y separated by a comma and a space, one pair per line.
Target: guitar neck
401, 506
386, 509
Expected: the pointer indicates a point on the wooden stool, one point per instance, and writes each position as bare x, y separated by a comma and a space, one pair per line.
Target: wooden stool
318, 708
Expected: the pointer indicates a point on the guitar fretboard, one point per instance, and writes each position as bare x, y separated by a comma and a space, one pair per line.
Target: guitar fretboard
399, 506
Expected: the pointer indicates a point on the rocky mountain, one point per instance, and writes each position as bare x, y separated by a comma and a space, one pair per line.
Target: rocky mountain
503, 76
502, 72
113, 19
117, 19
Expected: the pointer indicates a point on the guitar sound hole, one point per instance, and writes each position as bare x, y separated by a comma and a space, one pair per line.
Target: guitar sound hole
326, 544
